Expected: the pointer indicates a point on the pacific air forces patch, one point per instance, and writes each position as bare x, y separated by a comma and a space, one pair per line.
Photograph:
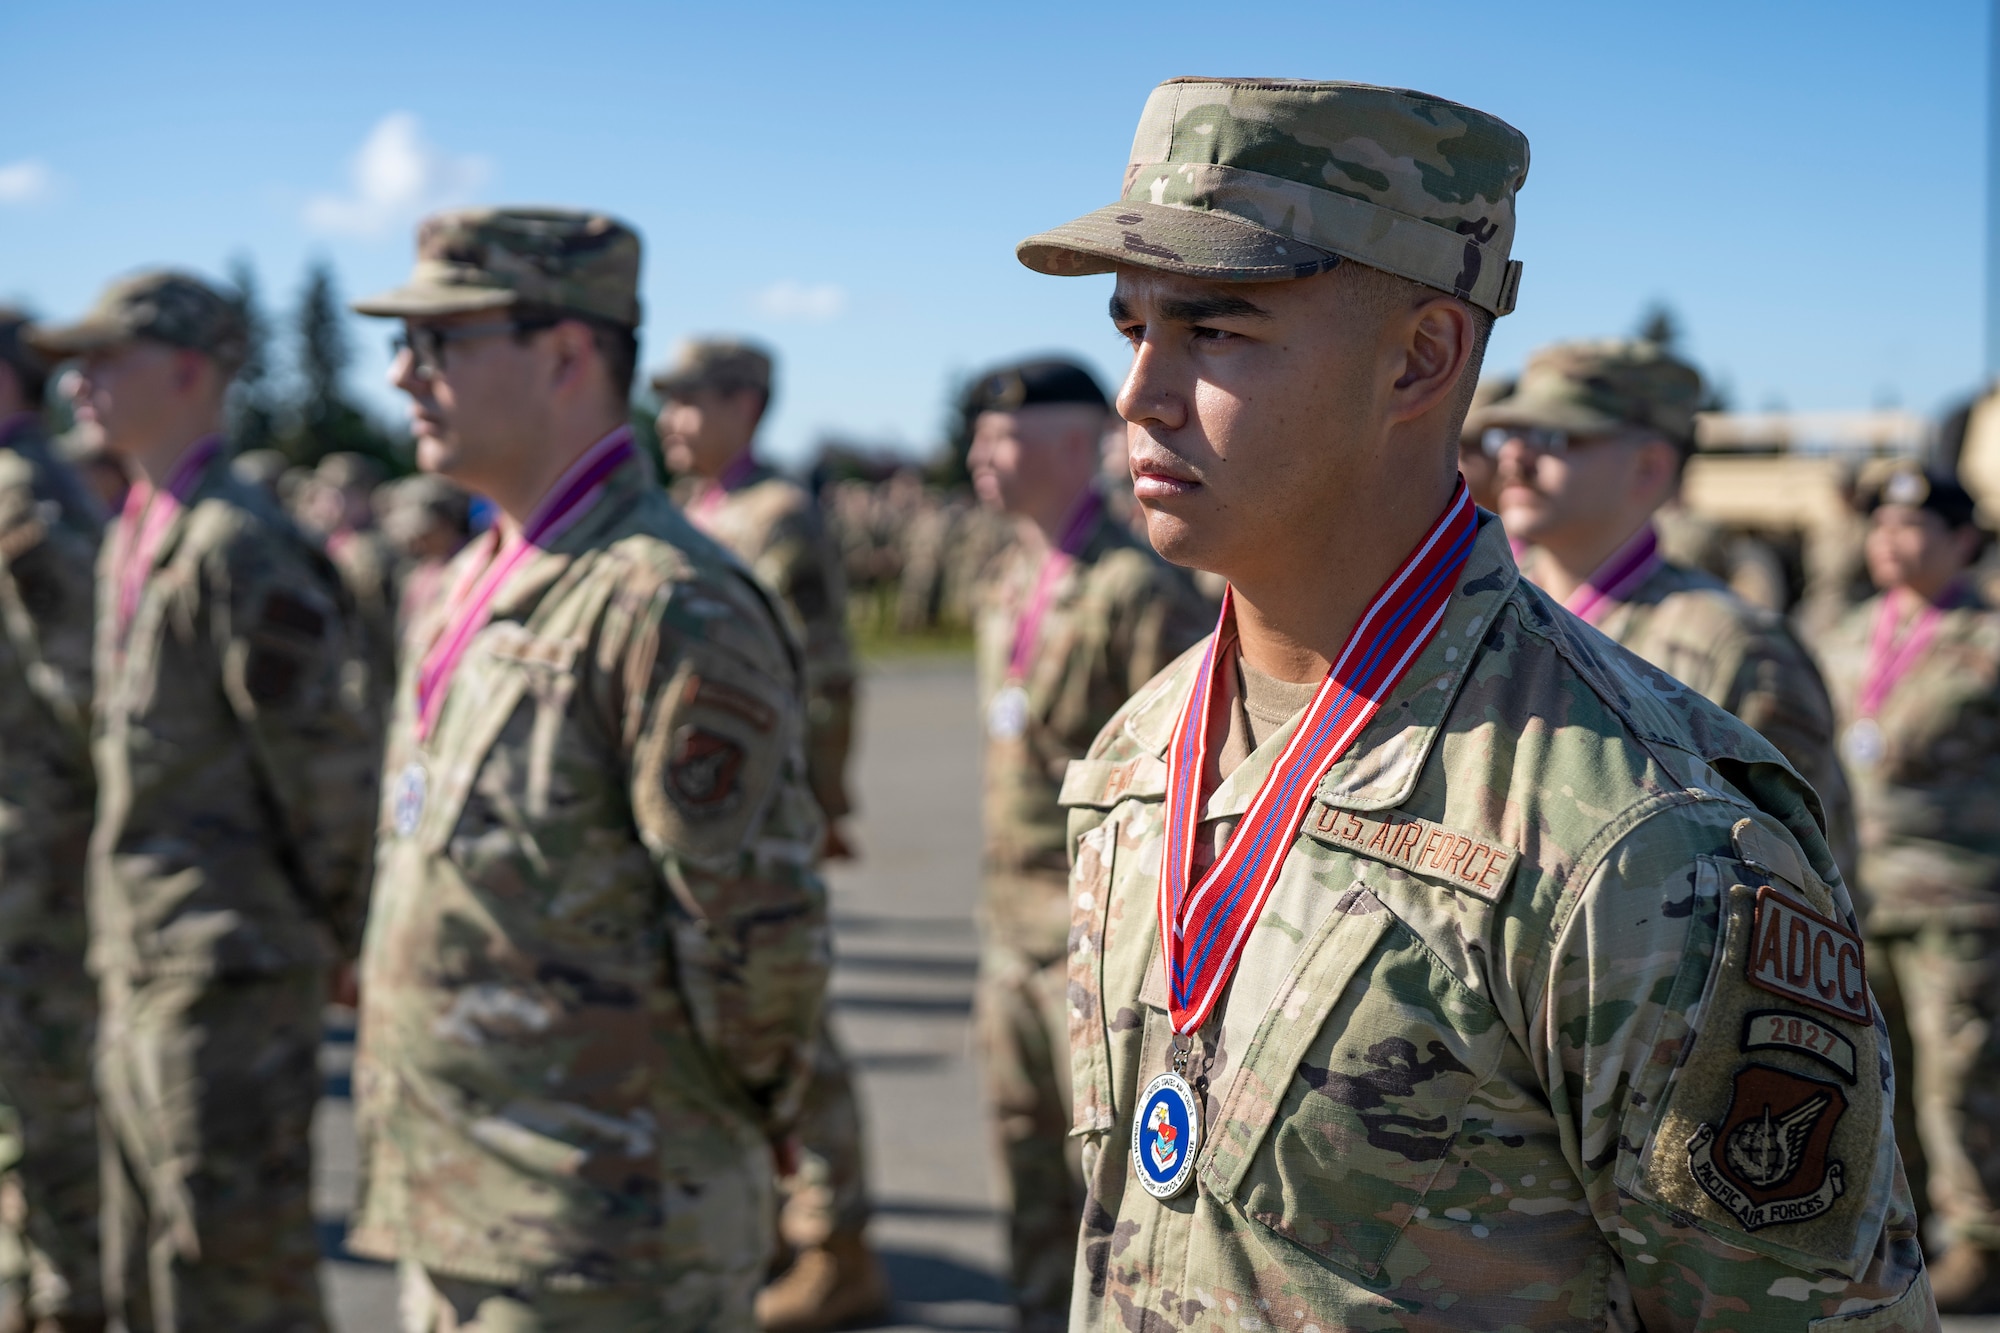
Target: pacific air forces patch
1772, 1130
1767, 1161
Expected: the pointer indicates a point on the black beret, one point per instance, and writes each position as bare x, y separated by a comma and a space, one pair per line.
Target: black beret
1034, 383
1920, 488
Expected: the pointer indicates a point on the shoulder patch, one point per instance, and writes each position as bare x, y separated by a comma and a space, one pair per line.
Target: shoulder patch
1800, 955
1773, 1131
1479, 866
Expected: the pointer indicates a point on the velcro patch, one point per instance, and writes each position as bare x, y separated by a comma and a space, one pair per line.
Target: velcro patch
1799, 954
1783, 1030
1479, 866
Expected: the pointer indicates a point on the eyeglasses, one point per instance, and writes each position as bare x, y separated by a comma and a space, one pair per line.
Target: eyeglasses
1539, 439
426, 342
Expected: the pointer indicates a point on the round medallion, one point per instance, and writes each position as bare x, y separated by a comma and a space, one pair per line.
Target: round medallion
1863, 744
1166, 1134
406, 803
1007, 715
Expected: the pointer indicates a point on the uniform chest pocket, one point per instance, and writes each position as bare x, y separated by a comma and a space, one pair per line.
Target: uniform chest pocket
493, 757
1361, 1109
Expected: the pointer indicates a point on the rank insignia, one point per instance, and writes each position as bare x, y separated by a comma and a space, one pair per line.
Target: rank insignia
1767, 1162
703, 771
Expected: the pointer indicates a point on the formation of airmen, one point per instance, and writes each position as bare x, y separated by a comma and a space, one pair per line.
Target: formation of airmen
1415, 896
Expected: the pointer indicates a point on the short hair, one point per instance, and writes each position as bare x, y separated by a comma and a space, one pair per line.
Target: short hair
1384, 291
617, 344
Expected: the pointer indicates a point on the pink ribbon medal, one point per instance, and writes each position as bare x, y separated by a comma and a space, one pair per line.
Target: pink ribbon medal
1007, 714
1203, 927
470, 605
1889, 660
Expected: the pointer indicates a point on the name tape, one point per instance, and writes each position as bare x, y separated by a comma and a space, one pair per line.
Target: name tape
1797, 953
1479, 867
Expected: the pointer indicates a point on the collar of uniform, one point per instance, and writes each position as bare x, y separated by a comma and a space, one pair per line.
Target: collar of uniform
622, 489
213, 476
1380, 769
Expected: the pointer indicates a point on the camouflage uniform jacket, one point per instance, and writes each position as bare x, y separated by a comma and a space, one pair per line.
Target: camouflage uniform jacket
598, 947
1495, 1027
1115, 617
49, 528
237, 756
1743, 660
1930, 806
774, 526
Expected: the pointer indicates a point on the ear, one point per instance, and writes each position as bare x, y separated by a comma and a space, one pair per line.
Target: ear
1437, 337
1656, 469
572, 344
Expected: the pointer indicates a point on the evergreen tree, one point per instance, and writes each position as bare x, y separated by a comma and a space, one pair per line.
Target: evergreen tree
324, 420
253, 399
1660, 325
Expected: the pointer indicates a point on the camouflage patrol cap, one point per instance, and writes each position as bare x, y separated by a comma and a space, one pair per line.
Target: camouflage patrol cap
553, 260
162, 305
1600, 387
1259, 180
723, 364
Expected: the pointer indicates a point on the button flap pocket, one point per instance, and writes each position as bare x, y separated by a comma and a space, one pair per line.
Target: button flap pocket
1099, 784
1344, 942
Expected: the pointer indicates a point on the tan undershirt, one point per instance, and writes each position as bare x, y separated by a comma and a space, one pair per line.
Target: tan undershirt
1259, 705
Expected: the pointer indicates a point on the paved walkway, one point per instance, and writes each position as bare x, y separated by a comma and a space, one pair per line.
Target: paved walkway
902, 995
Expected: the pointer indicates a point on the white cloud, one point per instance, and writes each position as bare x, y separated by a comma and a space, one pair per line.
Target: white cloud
811, 303
28, 181
396, 176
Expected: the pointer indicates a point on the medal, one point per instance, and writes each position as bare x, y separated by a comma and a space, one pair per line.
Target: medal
406, 802
1862, 743
1007, 715
1889, 660
1166, 1133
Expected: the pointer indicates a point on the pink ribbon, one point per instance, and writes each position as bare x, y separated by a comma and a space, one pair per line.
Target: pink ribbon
480, 582
1890, 660
143, 525
1028, 630
732, 480
1618, 577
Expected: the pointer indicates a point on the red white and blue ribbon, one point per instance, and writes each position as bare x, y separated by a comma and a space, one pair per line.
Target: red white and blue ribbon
471, 604
149, 512
1618, 577
1202, 931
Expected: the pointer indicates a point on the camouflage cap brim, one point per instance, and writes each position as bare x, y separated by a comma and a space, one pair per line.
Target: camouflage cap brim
1537, 412
86, 335
1197, 243
418, 300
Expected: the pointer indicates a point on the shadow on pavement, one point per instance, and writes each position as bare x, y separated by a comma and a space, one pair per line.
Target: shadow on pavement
333, 1244
930, 1279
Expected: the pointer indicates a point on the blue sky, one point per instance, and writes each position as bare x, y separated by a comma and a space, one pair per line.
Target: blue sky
1804, 182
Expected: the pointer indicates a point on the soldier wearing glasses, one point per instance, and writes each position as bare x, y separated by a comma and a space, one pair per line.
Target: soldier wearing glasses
1588, 445
597, 952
